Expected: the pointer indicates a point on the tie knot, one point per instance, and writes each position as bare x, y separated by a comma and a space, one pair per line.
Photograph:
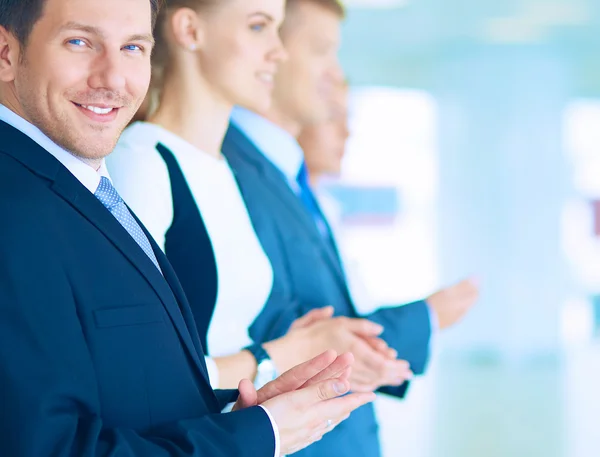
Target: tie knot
107, 194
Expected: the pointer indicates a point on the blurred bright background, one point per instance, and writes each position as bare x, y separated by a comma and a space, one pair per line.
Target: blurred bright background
475, 150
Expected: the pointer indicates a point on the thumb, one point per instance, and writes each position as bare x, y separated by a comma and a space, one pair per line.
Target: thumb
248, 396
312, 316
364, 327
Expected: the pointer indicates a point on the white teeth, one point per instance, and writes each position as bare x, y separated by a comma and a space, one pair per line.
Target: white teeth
266, 77
97, 110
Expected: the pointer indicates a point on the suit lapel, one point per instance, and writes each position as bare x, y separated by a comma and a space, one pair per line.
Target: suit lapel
277, 181
177, 306
282, 191
64, 184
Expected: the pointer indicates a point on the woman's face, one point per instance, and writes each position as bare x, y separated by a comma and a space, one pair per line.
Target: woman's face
242, 49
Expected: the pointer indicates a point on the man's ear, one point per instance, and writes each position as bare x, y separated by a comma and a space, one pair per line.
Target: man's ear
9, 55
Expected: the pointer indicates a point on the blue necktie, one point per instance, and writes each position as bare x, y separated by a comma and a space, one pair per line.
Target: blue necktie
110, 198
310, 202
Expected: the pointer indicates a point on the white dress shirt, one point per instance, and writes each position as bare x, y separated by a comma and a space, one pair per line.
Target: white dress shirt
90, 178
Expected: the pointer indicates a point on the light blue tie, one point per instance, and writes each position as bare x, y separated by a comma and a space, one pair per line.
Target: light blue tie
110, 198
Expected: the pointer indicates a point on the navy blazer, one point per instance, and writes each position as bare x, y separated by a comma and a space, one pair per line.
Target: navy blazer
309, 269
99, 354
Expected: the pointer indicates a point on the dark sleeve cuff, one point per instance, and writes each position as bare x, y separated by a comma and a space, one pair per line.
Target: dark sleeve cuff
224, 397
398, 392
408, 331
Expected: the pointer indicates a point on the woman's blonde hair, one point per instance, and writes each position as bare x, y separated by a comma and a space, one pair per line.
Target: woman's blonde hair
160, 54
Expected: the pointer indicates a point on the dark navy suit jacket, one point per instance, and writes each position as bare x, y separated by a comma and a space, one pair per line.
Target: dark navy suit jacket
308, 269
99, 354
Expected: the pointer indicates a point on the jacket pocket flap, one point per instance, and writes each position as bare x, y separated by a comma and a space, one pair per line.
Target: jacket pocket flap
128, 315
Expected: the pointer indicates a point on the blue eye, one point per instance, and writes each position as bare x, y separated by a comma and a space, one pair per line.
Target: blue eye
257, 27
77, 42
132, 47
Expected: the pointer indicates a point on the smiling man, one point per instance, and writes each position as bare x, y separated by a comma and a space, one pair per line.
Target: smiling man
88, 72
99, 355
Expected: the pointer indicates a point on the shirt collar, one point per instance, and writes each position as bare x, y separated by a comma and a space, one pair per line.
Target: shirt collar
89, 177
276, 144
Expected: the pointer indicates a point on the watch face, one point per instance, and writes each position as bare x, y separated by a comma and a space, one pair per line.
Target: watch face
268, 367
266, 372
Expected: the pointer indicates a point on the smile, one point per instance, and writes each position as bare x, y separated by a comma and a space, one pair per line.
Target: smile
266, 77
96, 109
103, 114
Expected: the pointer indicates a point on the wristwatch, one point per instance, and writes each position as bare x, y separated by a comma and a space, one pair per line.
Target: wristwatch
266, 370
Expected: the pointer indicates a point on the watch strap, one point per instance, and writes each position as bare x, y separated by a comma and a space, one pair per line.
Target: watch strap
259, 353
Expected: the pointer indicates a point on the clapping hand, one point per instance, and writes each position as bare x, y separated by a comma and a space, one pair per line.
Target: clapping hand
307, 401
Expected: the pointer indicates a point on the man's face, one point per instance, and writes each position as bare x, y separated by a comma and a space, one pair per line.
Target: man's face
303, 85
324, 144
83, 74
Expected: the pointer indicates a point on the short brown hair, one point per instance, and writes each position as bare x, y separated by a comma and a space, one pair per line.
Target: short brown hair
334, 6
19, 16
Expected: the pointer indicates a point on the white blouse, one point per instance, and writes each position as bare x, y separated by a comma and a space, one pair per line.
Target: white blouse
141, 177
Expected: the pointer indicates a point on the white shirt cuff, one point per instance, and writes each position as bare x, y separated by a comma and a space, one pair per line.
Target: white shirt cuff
213, 372
275, 432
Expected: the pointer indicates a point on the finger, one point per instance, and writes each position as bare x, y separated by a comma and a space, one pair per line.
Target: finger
473, 283
408, 376
362, 387
313, 316
297, 376
248, 396
336, 370
364, 378
468, 291
363, 374
397, 372
366, 382
320, 392
364, 327
392, 354
345, 375
401, 366
367, 359
371, 367
338, 408
377, 344
381, 346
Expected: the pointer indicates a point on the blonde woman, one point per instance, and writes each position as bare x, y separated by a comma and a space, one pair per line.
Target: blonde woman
211, 55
